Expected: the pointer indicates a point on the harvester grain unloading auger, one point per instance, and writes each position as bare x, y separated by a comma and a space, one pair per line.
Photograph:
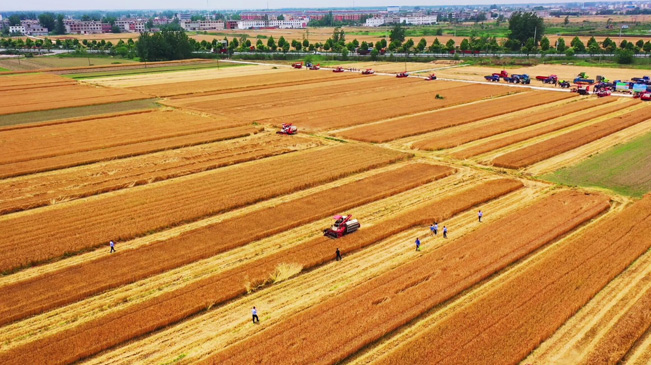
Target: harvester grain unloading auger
344, 224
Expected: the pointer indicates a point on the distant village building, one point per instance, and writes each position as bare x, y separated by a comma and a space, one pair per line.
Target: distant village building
84, 27
375, 22
282, 24
393, 9
419, 20
16, 29
184, 17
131, 25
202, 25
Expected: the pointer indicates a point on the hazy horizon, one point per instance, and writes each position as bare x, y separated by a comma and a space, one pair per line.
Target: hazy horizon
78, 5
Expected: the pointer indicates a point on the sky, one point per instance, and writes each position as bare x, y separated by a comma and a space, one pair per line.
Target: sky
12, 5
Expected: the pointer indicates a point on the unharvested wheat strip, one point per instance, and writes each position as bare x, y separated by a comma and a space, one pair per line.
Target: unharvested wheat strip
62, 139
33, 328
56, 97
42, 189
93, 337
199, 336
409, 126
234, 84
506, 324
126, 214
283, 104
33, 81
335, 118
578, 336
380, 306
499, 142
640, 354
132, 265
459, 137
130, 150
74, 120
549, 148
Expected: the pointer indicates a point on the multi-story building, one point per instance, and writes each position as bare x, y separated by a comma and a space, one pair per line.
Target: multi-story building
283, 24
84, 27
419, 20
184, 17
131, 25
375, 22
203, 25
35, 30
16, 29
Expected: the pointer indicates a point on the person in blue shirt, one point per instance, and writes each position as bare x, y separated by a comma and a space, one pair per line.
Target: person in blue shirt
255, 315
445, 232
435, 228
112, 244
480, 214
417, 244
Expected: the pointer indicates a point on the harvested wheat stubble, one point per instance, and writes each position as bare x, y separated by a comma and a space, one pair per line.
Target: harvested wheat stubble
169, 308
61, 139
468, 135
283, 102
35, 191
409, 126
569, 141
233, 84
81, 281
339, 117
341, 326
507, 323
523, 136
33, 82
61, 96
135, 212
130, 150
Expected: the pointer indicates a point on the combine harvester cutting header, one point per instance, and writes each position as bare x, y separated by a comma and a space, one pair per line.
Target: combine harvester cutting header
343, 225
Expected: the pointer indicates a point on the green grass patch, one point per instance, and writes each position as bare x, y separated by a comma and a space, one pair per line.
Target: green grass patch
624, 169
143, 71
76, 112
3, 69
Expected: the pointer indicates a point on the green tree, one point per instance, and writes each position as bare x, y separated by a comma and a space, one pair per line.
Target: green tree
439, 31
449, 45
163, 45
374, 54
578, 45
544, 44
436, 46
420, 47
14, 20
59, 27
647, 47
623, 44
286, 47
524, 26
364, 47
609, 45
47, 20
115, 29
398, 33
150, 24
280, 17
259, 45
271, 43
560, 45
624, 56
282, 42
306, 43
465, 45
566, 21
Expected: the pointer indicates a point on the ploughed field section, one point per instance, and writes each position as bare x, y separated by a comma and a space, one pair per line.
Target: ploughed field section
63, 185
115, 328
32, 296
339, 327
139, 211
429, 122
19, 94
508, 322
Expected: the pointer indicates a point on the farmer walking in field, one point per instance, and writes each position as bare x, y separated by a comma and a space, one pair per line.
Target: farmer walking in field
255, 315
338, 258
445, 232
112, 244
479, 215
436, 228
417, 244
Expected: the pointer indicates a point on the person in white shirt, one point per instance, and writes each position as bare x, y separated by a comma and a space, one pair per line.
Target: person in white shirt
480, 214
255, 315
112, 244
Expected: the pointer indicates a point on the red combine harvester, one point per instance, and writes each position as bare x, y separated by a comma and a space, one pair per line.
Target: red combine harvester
503, 74
430, 77
297, 65
315, 67
288, 129
368, 71
343, 225
402, 74
645, 96
602, 93
338, 69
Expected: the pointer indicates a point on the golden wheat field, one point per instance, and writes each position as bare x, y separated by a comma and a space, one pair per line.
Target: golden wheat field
212, 213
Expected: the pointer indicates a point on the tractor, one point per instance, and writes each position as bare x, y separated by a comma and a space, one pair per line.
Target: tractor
492, 78
343, 225
288, 129
315, 67
297, 65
